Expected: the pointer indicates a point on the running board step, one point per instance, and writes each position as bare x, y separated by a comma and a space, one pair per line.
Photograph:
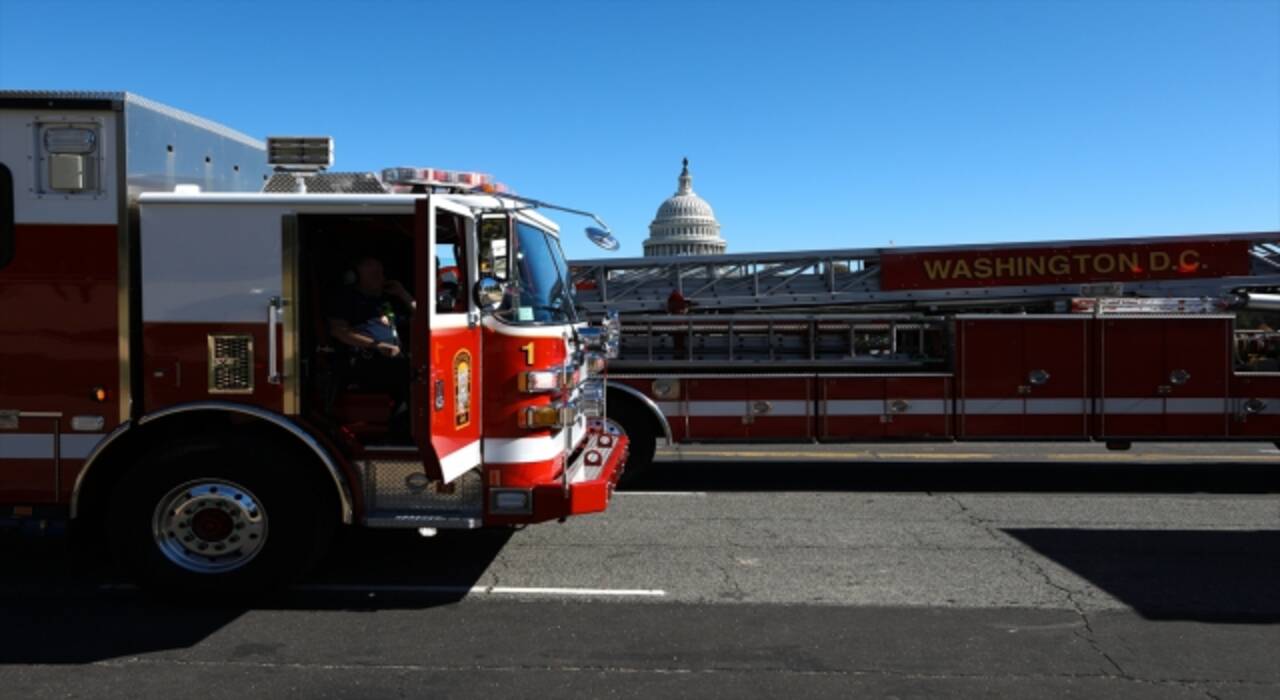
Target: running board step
413, 521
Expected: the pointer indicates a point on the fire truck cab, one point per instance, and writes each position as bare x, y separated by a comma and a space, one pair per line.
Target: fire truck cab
169, 372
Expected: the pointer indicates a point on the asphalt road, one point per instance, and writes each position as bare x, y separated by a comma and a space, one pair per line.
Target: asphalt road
908, 571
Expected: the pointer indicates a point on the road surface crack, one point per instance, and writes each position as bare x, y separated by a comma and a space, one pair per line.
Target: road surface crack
1017, 551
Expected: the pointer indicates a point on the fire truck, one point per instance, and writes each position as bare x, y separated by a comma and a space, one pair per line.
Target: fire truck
169, 375
1120, 340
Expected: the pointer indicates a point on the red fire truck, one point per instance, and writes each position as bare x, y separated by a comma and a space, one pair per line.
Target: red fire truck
168, 374
1109, 340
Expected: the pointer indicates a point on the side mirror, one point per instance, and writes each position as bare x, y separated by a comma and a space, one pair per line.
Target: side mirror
489, 293
602, 238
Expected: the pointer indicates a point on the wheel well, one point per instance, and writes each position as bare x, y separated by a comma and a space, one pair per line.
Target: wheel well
104, 470
631, 402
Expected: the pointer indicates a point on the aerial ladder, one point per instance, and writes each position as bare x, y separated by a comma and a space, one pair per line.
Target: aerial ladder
1218, 266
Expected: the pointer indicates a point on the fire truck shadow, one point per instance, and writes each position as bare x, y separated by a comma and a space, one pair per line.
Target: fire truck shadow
1191, 575
60, 608
370, 569
957, 477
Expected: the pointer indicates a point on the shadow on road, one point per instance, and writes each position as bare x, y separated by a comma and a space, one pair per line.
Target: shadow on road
1198, 575
960, 477
60, 608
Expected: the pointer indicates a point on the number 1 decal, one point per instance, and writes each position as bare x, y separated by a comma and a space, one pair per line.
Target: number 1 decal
527, 349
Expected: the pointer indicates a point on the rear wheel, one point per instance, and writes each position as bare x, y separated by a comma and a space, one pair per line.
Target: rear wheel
642, 435
225, 516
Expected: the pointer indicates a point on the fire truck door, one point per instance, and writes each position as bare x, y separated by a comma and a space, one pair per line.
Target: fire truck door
1164, 377
446, 340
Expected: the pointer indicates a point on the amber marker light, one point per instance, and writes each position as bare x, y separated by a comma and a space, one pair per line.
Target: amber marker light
99, 394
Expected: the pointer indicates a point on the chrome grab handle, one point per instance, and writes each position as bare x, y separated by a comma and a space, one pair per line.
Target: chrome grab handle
274, 309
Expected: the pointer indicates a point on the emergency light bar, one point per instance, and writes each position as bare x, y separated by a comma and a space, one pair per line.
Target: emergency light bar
436, 177
300, 152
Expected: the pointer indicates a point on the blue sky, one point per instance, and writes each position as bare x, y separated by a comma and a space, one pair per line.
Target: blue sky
808, 124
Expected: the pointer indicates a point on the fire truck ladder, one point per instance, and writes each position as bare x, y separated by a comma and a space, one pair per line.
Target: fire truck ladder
850, 279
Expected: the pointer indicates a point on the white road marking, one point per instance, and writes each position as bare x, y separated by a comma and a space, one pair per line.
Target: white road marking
450, 590
479, 590
660, 493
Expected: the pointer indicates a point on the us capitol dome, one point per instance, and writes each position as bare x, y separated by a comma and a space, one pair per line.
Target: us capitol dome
685, 224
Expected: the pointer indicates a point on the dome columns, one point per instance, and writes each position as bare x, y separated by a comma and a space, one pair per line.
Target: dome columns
685, 224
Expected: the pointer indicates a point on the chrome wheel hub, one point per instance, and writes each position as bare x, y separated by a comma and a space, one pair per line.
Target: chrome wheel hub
209, 527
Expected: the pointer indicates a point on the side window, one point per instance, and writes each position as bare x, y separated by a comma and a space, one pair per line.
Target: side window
7, 234
451, 266
493, 249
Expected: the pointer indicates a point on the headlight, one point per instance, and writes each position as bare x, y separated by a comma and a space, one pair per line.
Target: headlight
537, 381
594, 363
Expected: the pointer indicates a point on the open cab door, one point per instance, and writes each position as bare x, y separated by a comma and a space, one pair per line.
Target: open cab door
445, 397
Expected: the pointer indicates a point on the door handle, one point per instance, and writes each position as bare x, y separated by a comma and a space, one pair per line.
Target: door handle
1164, 389
760, 408
275, 308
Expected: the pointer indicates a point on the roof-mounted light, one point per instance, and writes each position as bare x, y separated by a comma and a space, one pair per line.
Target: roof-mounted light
305, 153
405, 178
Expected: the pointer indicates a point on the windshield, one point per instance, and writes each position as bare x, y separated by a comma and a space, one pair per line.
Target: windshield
542, 291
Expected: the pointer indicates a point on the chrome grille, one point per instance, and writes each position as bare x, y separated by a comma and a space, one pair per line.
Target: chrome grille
230, 364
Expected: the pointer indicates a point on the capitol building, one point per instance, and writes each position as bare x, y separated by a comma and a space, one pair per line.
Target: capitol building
685, 224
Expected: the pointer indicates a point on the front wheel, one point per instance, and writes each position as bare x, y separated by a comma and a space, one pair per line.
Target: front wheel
220, 516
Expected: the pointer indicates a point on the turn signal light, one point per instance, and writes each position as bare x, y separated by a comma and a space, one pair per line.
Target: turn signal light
536, 417
99, 394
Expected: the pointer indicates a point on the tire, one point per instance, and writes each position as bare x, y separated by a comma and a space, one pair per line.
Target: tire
643, 440
219, 516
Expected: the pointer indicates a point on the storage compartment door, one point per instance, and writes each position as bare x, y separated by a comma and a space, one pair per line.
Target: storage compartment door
717, 407
990, 373
781, 408
850, 408
1054, 382
1197, 365
1133, 372
917, 407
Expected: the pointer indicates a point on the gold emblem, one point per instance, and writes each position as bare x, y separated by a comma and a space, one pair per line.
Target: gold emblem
461, 389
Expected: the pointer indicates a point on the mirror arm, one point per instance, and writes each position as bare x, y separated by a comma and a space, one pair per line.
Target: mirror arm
547, 205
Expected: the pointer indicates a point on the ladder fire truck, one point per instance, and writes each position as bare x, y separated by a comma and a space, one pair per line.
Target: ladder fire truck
1115, 340
168, 379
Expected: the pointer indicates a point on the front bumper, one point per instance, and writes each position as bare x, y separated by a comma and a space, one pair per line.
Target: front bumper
592, 475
